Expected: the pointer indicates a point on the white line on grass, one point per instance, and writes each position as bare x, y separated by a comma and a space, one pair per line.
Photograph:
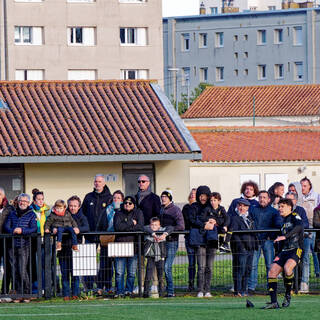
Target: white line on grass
41, 315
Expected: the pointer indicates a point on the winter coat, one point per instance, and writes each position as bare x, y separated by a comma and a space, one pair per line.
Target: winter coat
150, 207
303, 215
186, 211
316, 225
242, 242
309, 203
232, 208
94, 206
171, 215
27, 222
55, 221
266, 218
219, 214
297, 186
4, 213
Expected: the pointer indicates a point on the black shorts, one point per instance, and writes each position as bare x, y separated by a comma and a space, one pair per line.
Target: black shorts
284, 256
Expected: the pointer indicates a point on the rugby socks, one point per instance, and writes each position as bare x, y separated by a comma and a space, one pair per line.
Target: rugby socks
272, 288
288, 281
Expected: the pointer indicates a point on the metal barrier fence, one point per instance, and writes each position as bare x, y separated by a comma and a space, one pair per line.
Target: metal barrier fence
38, 270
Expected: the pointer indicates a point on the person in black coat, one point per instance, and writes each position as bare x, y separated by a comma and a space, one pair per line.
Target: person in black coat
65, 255
128, 219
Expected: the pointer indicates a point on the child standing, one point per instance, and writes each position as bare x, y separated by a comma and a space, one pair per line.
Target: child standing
61, 221
155, 252
218, 213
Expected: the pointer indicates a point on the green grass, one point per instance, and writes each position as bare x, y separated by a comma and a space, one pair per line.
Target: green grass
302, 307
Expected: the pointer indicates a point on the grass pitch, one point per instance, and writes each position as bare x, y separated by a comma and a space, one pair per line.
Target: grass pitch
302, 307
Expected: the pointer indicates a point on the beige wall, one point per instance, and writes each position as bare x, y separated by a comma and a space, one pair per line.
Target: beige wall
66, 179
226, 179
107, 56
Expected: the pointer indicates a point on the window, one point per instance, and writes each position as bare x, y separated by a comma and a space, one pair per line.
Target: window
81, 36
236, 55
185, 38
253, 8
133, 36
278, 36
82, 74
203, 40
246, 72
271, 8
219, 39
203, 74
214, 10
297, 36
245, 54
28, 35
185, 76
298, 71
278, 71
29, 74
219, 73
262, 75
245, 37
235, 37
133, 74
236, 72
261, 37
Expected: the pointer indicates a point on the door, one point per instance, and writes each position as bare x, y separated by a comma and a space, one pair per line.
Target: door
12, 179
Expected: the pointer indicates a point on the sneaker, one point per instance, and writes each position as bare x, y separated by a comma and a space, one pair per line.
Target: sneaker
26, 300
66, 298
75, 247
304, 288
58, 246
274, 305
200, 294
251, 292
208, 295
154, 289
118, 296
286, 301
170, 295
317, 275
225, 247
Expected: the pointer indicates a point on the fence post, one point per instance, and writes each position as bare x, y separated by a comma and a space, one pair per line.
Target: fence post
139, 265
47, 268
39, 265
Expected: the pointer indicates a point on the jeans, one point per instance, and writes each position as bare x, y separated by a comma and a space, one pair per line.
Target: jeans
242, 265
192, 261
65, 261
315, 257
268, 253
308, 245
151, 265
123, 265
172, 247
105, 273
70, 230
205, 257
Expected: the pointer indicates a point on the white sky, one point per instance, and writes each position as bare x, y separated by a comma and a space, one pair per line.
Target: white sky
179, 7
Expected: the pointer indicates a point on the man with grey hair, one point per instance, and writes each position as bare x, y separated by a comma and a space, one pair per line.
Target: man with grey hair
21, 221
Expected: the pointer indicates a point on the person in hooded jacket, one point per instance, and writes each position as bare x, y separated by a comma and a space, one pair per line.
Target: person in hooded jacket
295, 187
129, 218
170, 215
205, 247
276, 192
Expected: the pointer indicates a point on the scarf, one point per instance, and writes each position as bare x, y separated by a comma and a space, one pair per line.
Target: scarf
111, 210
21, 212
60, 214
41, 216
142, 194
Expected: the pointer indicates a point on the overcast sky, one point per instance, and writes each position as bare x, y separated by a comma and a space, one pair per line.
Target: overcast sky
179, 7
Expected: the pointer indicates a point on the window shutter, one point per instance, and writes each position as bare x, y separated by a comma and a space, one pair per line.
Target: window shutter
142, 36
35, 74
88, 36
19, 74
37, 35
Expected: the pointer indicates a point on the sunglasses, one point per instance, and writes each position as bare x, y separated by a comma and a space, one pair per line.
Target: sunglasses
128, 203
142, 181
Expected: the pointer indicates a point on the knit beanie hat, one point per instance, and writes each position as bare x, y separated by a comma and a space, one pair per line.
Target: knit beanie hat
167, 193
131, 199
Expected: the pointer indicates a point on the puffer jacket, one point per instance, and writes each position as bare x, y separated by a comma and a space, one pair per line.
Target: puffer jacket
4, 213
55, 221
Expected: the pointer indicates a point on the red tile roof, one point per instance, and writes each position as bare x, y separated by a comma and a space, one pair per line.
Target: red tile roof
257, 144
224, 102
47, 118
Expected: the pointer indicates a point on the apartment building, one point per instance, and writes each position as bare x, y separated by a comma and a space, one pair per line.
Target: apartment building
81, 39
241, 49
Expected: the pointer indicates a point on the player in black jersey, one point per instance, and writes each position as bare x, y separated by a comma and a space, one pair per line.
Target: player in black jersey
291, 244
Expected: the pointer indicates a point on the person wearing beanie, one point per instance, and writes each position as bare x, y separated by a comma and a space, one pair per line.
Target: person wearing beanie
170, 216
128, 218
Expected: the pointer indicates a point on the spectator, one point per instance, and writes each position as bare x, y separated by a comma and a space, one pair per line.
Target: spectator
60, 221
170, 215
94, 207
21, 221
295, 187
265, 217
249, 190
5, 209
41, 211
316, 224
205, 247
243, 246
65, 255
106, 264
129, 218
186, 210
148, 202
276, 192
156, 253
310, 200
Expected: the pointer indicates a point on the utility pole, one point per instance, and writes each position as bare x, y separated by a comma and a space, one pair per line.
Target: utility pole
175, 70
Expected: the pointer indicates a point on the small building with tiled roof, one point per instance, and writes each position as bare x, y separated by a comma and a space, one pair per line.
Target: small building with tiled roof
56, 135
232, 155
282, 105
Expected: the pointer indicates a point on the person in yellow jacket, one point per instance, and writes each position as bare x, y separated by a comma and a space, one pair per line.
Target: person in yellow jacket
42, 211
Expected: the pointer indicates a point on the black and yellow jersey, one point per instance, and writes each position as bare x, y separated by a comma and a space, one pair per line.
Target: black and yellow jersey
292, 229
